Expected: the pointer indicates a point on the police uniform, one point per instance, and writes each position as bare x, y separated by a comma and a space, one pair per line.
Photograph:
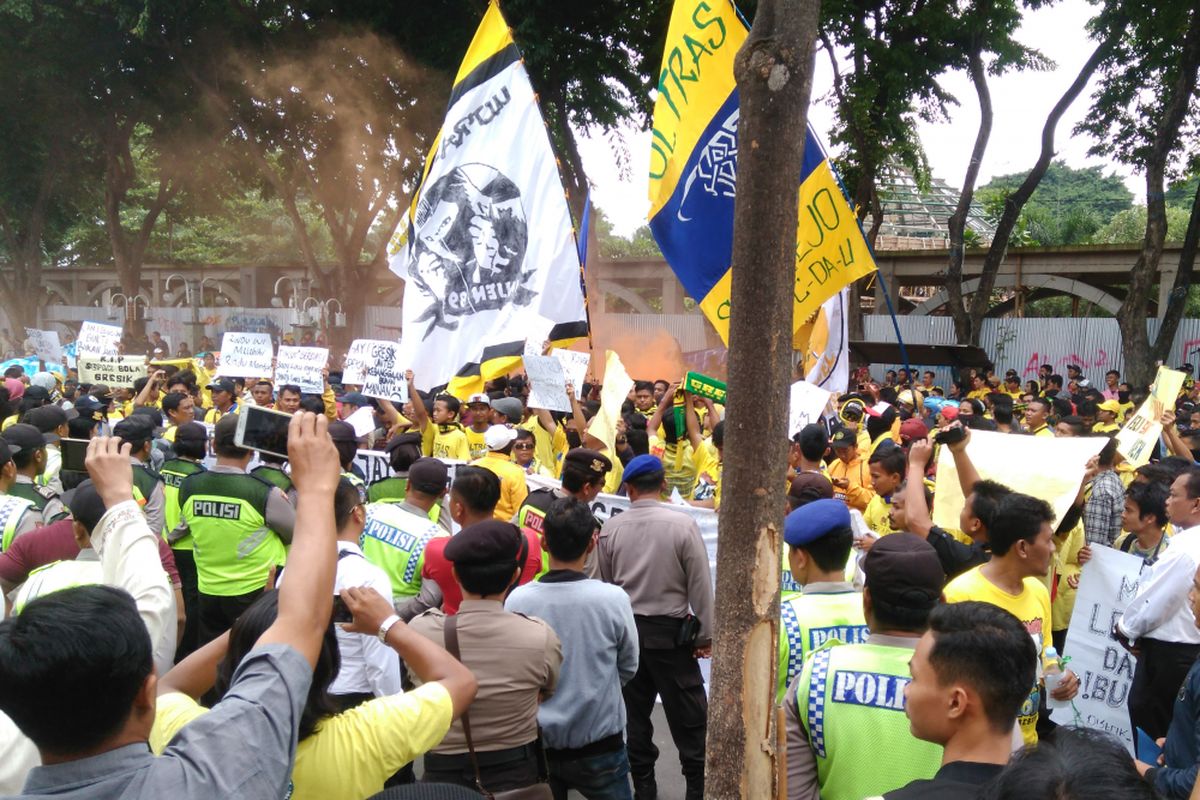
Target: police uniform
173, 473
274, 475
394, 540
590, 466
656, 554
23, 439
46, 501
388, 490
516, 659
17, 517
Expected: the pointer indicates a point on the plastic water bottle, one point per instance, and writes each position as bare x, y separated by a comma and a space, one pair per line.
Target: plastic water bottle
1053, 673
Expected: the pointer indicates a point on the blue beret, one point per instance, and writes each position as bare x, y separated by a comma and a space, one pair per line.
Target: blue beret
812, 521
641, 465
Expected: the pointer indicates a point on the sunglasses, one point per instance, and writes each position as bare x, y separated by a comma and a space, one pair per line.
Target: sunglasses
621, 440
522, 446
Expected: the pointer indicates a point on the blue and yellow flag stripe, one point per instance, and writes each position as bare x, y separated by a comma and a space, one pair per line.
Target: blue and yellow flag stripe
693, 175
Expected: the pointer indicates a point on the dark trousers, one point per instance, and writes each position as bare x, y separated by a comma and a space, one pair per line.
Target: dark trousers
673, 674
185, 562
1161, 670
345, 702
499, 770
217, 614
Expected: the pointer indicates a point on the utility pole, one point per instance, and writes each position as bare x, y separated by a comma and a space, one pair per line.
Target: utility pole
774, 78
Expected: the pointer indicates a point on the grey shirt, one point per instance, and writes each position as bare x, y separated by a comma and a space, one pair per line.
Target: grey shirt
155, 507
208, 757
280, 514
657, 555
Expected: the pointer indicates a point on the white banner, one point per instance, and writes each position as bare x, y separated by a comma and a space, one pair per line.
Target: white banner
360, 354
575, 367
384, 376
98, 339
547, 384
487, 246
113, 371
827, 352
1108, 583
1137, 440
808, 403
301, 366
1045, 467
45, 344
246, 355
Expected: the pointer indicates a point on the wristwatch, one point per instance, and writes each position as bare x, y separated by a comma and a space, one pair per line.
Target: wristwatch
387, 626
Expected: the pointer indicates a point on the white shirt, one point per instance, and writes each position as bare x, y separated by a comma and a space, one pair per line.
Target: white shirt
1161, 610
368, 665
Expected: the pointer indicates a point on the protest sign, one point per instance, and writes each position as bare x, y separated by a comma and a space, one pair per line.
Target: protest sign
354, 366
301, 366
807, 405
1108, 583
384, 373
537, 332
98, 339
45, 344
1045, 467
613, 393
1137, 440
547, 384
574, 366
246, 355
113, 371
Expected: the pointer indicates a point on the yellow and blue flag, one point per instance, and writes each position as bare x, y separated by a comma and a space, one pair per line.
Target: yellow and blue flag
693, 175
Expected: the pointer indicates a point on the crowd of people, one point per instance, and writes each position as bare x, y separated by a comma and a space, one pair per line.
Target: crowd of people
179, 597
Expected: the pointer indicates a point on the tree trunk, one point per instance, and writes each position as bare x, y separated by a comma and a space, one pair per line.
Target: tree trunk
1177, 300
774, 78
958, 220
1131, 316
1015, 202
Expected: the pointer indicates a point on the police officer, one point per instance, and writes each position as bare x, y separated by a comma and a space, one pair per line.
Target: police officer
191, 445
239, 524
583, 475
849, 698
515, 659
819, 540
138, 431
52, 422
17, 515
395, 535
401, 451
656, 554
346, 442
28, 449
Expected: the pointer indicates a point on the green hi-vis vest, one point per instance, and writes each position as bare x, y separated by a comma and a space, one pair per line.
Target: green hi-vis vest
788, 585
55, 577
11, 511
234, 548
29, 491
273, 475
388, 490
394, 540
809, 622
532, 515
173, 472
850, 699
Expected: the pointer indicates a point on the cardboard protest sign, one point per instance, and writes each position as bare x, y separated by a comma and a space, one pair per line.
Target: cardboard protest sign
301, 366
547, 383
362, 420
1045, 467
45, 344
113, 371
807, 405
98, 339
1108, 583
246, 355
1138, 438
574, 366
383, 372
354, 366
537, 332
613, 393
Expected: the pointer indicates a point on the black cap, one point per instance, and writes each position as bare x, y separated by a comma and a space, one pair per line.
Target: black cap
37, 393
46, 419
809, 486
843, 437
488, 542
191, 432
137, 429
590, 463
428, 475
904, 570
86, 506
89, 408
342, 431
354, 399
404, 438
22, 438
223, 385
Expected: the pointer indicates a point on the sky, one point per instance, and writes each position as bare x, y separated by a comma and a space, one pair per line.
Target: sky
1020, 103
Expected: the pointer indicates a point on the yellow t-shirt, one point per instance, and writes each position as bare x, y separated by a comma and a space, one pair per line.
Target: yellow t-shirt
513, 489
548, 448
475, 443
708, 471
445, 441
1031, 606
679, 465
351, 754
876, 516
1066, 565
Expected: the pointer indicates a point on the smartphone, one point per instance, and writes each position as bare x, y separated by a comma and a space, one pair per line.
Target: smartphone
263, 429
341, 613
74, 452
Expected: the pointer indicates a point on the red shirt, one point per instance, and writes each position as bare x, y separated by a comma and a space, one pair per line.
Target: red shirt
438, 569
56, 542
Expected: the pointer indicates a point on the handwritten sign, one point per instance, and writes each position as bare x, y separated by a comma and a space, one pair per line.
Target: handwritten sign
574, 367
547, 383
807, 405
1137, 440
115, 371
537, 332
385, 373
98, 339
246, 355
1107, 584
301, 366
45, 344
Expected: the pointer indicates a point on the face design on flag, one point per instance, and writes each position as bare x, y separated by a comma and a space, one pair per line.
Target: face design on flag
715, 173
470, 242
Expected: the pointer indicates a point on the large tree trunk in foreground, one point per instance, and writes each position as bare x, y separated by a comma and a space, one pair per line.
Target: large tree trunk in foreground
774, 78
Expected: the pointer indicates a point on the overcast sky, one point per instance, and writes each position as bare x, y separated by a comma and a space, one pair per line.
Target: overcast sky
1020, 104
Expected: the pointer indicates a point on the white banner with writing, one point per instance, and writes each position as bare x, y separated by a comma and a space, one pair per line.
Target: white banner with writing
300, 366
113, 371
246, 355
547, 383
98, 339
575, 367
807, 405
45, 344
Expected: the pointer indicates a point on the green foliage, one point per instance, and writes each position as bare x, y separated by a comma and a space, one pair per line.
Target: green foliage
640, 244
1183, 192
1130, 226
